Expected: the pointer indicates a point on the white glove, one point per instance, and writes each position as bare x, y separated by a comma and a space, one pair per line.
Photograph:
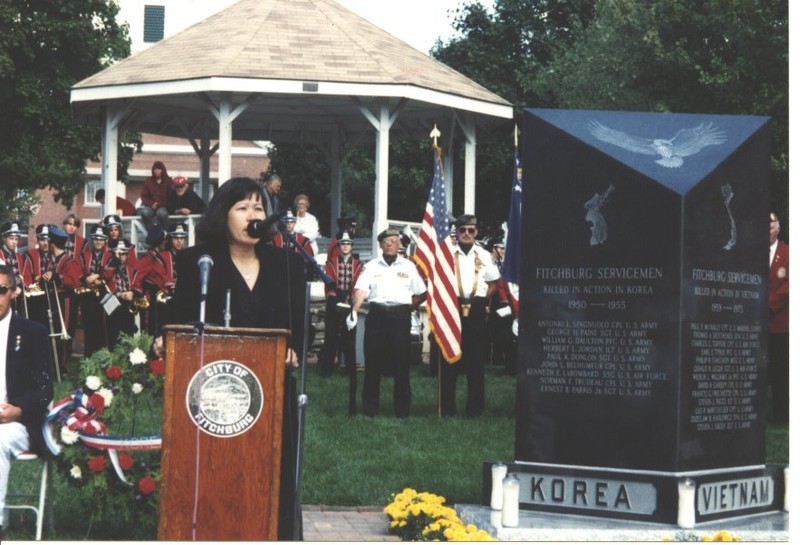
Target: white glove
351, 321
515, 327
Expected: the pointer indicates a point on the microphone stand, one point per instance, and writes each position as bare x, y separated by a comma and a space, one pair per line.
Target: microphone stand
302, 401
302, 398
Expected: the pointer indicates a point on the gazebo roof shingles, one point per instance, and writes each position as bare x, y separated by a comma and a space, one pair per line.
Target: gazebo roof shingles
305, 40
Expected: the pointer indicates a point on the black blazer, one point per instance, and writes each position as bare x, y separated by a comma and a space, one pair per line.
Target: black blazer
29, 383
280, 284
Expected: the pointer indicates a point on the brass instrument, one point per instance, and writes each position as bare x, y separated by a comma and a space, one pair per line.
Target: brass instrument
24, 299
83, 290
163, 297
138, 303
63, 335
34, 290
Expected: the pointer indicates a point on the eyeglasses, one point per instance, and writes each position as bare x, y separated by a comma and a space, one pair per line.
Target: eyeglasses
4, 289
470, 230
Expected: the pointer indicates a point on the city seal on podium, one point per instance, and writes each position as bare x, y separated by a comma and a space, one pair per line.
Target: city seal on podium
224, 398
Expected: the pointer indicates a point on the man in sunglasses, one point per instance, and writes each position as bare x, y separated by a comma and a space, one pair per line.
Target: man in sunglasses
476, 282
26, 386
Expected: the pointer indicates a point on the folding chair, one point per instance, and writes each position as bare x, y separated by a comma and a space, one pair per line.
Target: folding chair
41, 496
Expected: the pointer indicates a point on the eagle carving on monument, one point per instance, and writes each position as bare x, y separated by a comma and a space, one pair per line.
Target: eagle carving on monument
670, 152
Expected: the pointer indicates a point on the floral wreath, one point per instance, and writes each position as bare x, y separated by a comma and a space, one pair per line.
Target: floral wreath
113, 386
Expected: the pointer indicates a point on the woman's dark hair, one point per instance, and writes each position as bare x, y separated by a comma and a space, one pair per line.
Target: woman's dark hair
164, 175
213, 226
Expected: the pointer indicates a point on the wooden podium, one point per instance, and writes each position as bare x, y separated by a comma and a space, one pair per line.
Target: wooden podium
221, 446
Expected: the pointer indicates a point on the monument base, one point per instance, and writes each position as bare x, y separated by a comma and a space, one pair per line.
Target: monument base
645, 496
538, 526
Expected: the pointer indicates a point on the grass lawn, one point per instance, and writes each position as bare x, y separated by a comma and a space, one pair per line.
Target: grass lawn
362, 461
351, 461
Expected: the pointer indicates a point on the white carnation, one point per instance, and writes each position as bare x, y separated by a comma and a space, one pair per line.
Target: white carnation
68, 437
137, 357
137, 388
107, 394
93, 382
75, 472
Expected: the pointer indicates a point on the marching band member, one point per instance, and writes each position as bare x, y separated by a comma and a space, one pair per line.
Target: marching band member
344, 268
63, 275
151, 274
95, 276
9, 255
122, 320
112, 225
75, 242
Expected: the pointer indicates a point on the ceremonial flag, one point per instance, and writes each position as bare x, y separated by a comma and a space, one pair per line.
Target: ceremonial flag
434, 255
513, 244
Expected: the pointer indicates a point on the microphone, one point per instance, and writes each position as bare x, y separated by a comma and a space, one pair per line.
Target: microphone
205, 263
261, 228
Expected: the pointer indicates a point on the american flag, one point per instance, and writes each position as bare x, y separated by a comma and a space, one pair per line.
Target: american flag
511, 261
435, 257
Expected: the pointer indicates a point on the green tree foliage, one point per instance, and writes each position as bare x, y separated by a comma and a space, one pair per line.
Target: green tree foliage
46, 47
504, 50
715, 56
712, 56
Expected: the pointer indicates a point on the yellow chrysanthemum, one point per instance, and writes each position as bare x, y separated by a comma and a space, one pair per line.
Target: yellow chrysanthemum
424, 516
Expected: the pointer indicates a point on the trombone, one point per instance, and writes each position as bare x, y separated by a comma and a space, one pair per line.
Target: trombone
21, 284
63, 334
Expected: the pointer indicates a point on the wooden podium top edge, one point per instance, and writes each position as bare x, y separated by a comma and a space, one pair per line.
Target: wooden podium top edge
220, 330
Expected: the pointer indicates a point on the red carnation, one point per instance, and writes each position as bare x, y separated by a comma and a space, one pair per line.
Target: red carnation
125, 461
147, 485
157, 367
114, 372
97, 464
98, 402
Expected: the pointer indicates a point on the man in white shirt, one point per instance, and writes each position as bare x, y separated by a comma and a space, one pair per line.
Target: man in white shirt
476, 283
26, 387
393, 287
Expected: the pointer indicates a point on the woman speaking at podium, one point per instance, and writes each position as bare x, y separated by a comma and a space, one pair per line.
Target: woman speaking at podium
266, 291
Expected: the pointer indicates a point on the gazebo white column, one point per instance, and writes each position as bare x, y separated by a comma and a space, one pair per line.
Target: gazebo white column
468, 127
335, 159
204, 151
382, 124
226, 116
447, 161
110, 146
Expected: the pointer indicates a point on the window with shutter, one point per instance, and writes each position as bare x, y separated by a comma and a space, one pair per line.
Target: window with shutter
153, 23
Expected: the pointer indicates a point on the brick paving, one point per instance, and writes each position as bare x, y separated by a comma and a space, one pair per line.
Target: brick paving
326, 523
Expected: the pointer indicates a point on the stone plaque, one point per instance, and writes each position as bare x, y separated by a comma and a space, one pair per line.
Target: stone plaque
643, 290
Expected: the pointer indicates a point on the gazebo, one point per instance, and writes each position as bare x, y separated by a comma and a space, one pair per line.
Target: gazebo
288, 71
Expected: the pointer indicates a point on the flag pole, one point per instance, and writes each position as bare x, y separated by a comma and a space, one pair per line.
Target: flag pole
435, 134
